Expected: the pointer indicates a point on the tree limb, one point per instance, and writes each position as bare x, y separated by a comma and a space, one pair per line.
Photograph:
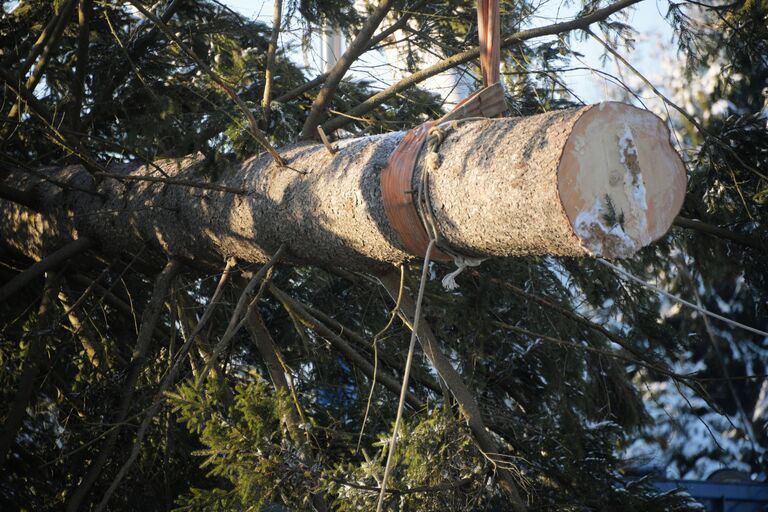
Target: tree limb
356, 48
149, 320
49, 47
581, 22
81, 69
167, 382
238, 318
273, 359
22, 197
459, 389
257, 134
46, 264
45, 325
271, 52
374, 41
270, 354
711, 229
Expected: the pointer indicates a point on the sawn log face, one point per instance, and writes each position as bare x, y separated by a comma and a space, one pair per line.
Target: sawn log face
494, 191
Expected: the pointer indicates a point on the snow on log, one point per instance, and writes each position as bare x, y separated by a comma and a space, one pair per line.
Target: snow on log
600, 180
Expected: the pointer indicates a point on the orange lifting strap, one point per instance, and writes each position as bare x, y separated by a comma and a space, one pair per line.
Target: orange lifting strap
397, 187
489, 30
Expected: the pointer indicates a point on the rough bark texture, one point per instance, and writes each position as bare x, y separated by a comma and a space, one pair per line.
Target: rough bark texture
494, 192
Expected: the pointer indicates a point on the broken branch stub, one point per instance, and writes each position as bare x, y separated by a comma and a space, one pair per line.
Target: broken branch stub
599, 180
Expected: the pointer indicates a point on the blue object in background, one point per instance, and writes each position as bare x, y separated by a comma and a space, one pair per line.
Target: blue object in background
723, 496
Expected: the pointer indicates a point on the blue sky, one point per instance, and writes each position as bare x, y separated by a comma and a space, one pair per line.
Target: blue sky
647, 18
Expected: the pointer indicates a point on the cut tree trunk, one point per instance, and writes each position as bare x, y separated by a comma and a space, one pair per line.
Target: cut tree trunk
600, 180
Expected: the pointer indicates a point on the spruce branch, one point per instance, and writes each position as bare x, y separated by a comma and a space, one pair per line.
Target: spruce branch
257, 134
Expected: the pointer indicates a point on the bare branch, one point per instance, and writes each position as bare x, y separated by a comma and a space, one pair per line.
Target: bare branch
31, 369
607, 353
36, 48
166, 384
455, 383
149, 320
93, 349
581, 22
710, 229
342, 346
239, 315
48, 47
45, 265
271, 52
356, 48
38, 108
81, 69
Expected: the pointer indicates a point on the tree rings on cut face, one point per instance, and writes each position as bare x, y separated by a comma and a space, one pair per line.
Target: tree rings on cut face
620, 181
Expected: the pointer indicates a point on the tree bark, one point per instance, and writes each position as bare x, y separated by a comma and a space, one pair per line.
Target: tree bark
599, 180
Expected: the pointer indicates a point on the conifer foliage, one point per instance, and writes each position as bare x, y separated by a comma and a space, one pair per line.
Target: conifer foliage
139, 380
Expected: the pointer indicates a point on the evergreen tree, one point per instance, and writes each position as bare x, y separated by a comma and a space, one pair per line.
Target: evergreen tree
127, 387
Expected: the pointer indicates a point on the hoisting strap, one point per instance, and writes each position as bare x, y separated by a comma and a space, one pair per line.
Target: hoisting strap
489, 31
397, 184
398, 188
398, 193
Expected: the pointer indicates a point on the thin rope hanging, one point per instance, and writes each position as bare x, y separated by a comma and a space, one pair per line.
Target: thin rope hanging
416, 226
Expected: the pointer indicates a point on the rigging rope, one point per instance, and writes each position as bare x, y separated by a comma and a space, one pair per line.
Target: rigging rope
691, 305
425, 210
406, 374
400, 168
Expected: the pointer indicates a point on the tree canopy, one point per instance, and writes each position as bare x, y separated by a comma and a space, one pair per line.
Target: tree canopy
137, 379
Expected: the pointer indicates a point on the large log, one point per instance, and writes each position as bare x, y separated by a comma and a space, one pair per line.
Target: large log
600, 180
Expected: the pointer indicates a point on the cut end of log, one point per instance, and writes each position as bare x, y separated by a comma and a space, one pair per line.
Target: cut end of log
620, 181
